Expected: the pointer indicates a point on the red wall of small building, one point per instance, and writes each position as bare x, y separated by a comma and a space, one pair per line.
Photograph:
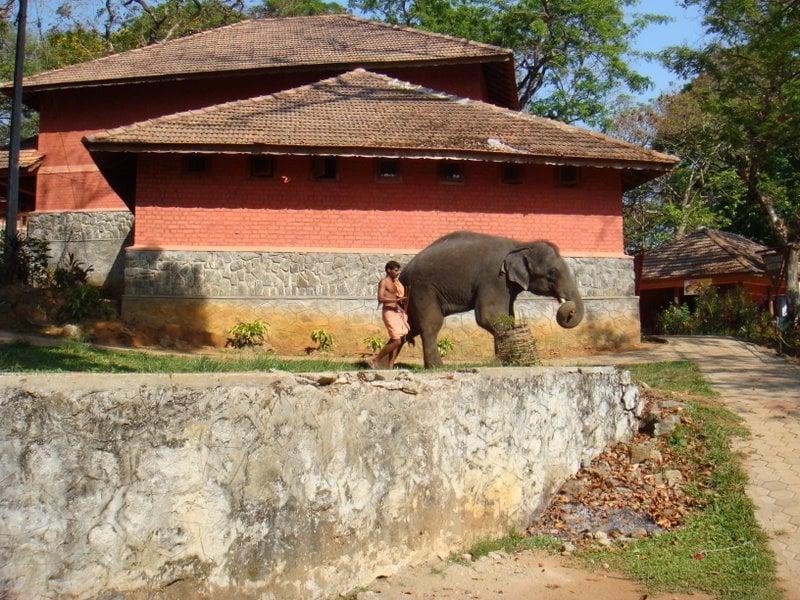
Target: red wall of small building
68, 179
226, 208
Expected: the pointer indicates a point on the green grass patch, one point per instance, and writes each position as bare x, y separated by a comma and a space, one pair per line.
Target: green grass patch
512, 542
678, 376
80, 357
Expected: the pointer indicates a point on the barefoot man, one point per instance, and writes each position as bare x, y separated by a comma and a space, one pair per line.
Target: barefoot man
392, 298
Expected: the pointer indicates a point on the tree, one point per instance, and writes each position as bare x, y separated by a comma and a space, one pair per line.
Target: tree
570, 54
747, 79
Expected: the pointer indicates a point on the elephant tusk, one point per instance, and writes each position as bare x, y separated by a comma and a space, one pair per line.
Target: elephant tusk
561, 300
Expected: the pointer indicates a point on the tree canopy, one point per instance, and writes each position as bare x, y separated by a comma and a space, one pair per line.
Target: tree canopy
572, 56
735, 128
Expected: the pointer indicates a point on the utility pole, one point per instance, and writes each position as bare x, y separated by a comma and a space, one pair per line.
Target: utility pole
14, 145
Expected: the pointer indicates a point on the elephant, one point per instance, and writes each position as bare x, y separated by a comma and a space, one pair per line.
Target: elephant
464, 270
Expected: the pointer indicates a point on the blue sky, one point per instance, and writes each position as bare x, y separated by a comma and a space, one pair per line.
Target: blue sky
685, 29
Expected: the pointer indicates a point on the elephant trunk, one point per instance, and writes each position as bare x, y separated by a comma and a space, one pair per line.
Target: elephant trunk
570, 313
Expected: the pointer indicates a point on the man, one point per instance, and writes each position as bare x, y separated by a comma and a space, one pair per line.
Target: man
393, 299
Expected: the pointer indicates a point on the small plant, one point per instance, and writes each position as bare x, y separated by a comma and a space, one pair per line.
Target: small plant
323, 339
374, 343
73, 273
84, 302
247, 334
444, 346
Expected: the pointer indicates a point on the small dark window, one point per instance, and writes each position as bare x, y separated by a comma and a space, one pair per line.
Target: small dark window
196, 164
511, 173
323, 168
262, 166
388, 170
569, 176
451, 172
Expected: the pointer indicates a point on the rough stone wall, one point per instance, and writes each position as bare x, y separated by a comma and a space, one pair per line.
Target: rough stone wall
204, 294
97, 239
276, 485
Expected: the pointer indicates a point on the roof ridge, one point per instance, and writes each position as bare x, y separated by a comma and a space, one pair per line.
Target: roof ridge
409, 29
716, 236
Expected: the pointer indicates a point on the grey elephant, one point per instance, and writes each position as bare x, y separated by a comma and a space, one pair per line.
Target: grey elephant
464, 270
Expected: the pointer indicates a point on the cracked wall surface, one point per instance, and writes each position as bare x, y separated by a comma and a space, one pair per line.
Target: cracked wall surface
279, 485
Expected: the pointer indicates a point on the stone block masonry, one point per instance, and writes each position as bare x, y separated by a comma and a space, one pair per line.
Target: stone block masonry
97, 239
275, 485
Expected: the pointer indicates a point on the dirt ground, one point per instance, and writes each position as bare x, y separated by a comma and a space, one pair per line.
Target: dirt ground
524, 576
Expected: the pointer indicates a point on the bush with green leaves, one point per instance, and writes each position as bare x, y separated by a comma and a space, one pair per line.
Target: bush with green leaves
444, 346
243, 335
374, 343
85, 302
323, 339
71, 273
730, 313
26, 261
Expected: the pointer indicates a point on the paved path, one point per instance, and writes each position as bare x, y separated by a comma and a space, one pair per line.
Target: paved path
764, 390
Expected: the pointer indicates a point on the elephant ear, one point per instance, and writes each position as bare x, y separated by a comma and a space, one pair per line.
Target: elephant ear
516, 268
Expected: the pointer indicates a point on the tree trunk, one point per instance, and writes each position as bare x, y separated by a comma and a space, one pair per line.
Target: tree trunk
792, 292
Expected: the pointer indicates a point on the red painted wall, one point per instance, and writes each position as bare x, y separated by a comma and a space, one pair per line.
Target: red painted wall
226, 208
68, 179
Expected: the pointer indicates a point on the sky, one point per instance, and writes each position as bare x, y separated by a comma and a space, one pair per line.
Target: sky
685, 29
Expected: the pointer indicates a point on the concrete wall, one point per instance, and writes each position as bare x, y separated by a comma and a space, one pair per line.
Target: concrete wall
275, 485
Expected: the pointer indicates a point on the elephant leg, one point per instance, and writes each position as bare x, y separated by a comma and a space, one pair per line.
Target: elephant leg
426, 318
488, 315
430, 334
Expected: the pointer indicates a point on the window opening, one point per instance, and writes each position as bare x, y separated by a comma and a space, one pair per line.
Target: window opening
262, 166
451, 172
323, 168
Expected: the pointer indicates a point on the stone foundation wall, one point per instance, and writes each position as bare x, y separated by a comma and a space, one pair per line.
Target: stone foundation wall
200, 295
97, 239
279, 485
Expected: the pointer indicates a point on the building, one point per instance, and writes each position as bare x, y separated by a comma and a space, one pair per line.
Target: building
673, 273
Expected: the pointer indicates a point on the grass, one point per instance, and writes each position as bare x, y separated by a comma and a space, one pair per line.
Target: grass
80, 357
513, 542
720, 549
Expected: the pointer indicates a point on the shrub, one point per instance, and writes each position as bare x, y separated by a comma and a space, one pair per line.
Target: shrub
73, 272
28, 260
247, 334
374, 343
85, 302
444, 346
323, 339
715, 313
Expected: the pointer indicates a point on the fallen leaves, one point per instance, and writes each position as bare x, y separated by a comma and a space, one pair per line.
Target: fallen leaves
616, 498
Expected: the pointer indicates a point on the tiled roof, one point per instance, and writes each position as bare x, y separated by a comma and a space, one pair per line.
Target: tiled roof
28, 160
261, 44
363, 113
704, 252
